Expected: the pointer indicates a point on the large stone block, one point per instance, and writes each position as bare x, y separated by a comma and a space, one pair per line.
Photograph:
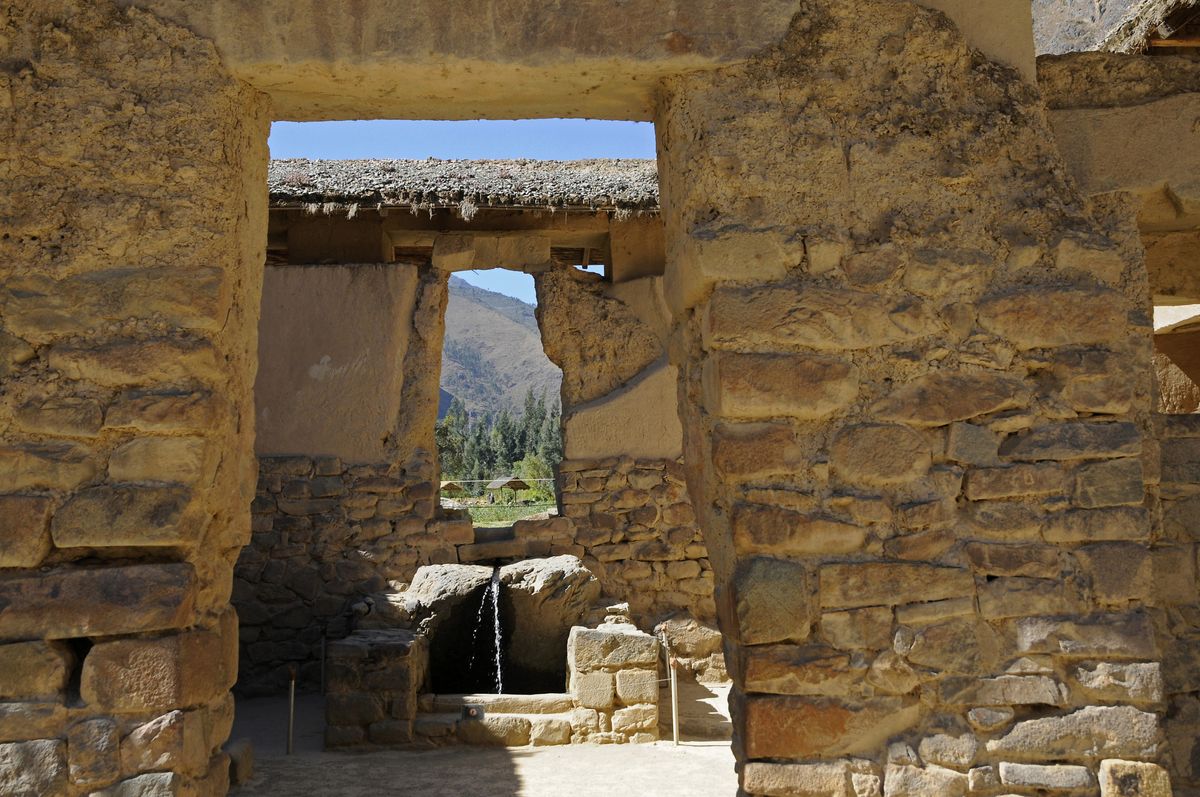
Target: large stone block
158, 459
54, 466
1092, 732
1051, 317
153, 784
613, 646
852, 584
122, 363
41, 309
69, 416
126, 515
162, 410
1115, 483
801, 727
756, 449
176, 739
637, 686
858, 629
960, 645
1034, 561
24, 530
800, 670
34, 768
1015, 481
21, 722
1096, 525
1128, 636
1005, 690
593, 689
496, 729
774, 530
772, 600
828, 319
943, 397
879, 455
96, 601
1071, 440
129, 675
31, 670
1053, 777
93, 748
1009, 596
832, 779
1133, 778
808, 387
1119, 682
904, 780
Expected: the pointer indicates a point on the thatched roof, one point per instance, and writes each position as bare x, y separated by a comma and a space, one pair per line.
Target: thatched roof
1123, 26
621, 185
507, 483
1150, 19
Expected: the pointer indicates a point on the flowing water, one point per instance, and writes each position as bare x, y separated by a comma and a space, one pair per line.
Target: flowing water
490, 595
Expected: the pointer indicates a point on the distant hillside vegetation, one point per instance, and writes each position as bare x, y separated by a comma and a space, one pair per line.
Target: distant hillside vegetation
493, 352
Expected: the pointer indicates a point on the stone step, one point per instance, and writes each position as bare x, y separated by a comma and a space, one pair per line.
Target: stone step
503, 704
494, 729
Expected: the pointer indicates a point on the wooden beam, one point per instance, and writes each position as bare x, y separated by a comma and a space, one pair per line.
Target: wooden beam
1193, 41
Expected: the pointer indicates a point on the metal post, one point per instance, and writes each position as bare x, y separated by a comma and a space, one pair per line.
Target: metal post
291, 710
674, 699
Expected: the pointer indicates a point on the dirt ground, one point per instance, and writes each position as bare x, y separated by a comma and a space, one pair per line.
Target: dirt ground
694, 769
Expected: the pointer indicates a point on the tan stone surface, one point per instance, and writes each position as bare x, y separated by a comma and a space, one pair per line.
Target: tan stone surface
879, 455
799, 727
765, 529
158, 459
943, 397
772, 385
34, 670
126, 515
1123, 777
846, 586
315, 366
772, 601
24, 530
637, 420
34, 767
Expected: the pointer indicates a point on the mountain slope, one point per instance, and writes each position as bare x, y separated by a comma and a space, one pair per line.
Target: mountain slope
493, 351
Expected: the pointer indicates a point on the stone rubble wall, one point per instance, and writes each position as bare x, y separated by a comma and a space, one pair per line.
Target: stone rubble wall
613, 674
134, 223
634, 528
373, 683
916, 388
1171, 567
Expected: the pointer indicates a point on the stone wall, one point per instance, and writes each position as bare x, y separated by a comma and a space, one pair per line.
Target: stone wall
916, 387
633, 525
1167, 576
130, 266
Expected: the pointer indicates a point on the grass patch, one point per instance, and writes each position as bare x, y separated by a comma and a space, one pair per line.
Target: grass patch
500, 515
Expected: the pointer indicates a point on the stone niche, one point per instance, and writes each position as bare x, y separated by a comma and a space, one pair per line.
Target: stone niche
496, 656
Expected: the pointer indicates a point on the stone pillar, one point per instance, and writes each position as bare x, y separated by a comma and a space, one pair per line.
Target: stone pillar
130, 266
915, 391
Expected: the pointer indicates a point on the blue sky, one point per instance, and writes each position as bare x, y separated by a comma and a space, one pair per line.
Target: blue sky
543, 139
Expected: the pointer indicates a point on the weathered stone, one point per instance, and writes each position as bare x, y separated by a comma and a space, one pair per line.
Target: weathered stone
942, 397
32, 670
613, 645
637, 686
955, 752
154, 784
879, 455
1005, 690
891, 675
802, 727
21, 722
1055, 777
1016, 597
981, 779
962, 645
175, 739
24, 530
1073, 440
972, 445
54, 466
756, 449
1048, 317
93, 752
155, 411
187, 669
1035, 561
593, 689
922, 614
1097, 636
635, 719
807, 387
818, 318
122, 363
61, 415
774, 530
103, 601
889, 584
1115, 483
832, 779
1015, 481
549, 731
496, 729
772, 601
1092, 732
1119, 682
1003, 521
126, 515
1133, 779
34, 768
858, 629
158, 459
1119, 572
934, 781
799, 670
990, 720
1096, 525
